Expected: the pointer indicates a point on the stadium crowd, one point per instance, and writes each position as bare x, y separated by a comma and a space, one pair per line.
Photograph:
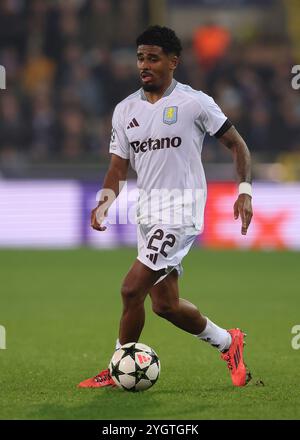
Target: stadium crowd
68, 63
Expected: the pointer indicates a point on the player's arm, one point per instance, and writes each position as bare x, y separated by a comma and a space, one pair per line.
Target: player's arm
112, 185
242, 159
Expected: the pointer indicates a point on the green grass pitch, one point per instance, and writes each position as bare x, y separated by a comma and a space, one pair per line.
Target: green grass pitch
61, 312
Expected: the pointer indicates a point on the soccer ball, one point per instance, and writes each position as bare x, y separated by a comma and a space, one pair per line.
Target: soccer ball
134, 367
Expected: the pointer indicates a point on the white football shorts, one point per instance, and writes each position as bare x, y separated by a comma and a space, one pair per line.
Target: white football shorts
163, 246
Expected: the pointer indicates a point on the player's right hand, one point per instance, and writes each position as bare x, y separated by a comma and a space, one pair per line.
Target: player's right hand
97, 217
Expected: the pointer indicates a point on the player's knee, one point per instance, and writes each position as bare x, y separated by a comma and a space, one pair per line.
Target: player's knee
129, 293
164, 310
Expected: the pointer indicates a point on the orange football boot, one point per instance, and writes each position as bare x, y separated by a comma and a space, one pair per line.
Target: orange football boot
240, 375
102, 379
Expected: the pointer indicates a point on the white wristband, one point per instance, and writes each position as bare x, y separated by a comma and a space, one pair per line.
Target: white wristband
245, 188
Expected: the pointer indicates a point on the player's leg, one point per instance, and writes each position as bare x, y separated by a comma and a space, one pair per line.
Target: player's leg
135, 288
167, 304
185, 315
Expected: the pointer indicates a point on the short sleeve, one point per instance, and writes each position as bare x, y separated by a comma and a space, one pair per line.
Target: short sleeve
119, 144
211, 117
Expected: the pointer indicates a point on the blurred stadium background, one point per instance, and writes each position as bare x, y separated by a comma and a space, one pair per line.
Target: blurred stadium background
69, 62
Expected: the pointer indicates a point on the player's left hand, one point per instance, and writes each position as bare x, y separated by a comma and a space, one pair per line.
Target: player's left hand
243, 208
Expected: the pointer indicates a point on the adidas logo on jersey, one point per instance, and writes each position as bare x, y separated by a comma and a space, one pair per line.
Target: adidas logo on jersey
155, 144
133, 123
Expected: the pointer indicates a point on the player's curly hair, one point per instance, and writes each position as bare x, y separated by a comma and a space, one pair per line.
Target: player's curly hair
161, 36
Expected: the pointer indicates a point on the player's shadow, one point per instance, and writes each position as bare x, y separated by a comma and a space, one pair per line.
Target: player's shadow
114, 404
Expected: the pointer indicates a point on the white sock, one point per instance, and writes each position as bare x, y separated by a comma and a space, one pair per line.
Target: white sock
118, 345
216, 336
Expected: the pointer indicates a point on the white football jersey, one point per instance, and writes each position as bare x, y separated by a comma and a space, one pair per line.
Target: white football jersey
163, 142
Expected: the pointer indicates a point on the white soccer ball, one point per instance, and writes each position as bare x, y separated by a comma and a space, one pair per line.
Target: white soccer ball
134, 367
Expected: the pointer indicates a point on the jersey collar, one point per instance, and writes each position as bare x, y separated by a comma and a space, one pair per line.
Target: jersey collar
168, 91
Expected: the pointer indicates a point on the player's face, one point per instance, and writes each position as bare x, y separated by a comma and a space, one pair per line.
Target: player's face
155, 67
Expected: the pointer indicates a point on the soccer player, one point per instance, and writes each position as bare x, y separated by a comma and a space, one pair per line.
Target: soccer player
160, 130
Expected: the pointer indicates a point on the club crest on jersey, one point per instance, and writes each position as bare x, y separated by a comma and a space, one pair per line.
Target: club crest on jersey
170, 115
